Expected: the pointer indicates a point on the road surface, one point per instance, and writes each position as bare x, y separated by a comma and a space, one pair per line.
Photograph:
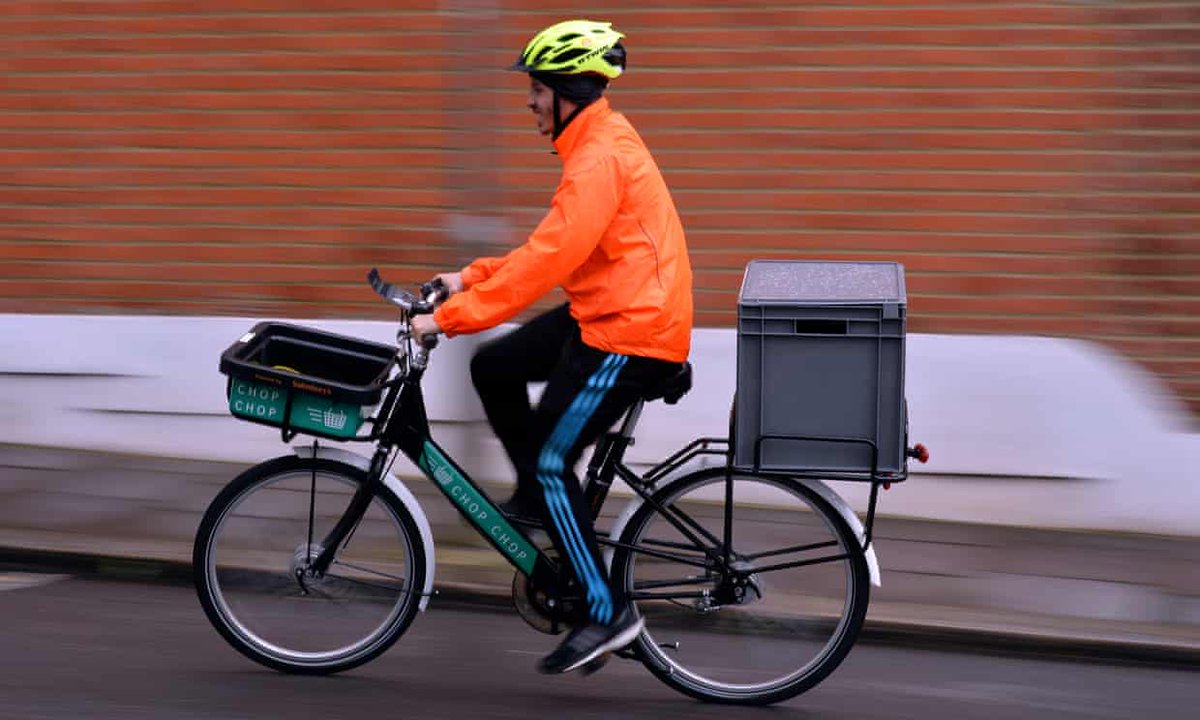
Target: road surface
76, 647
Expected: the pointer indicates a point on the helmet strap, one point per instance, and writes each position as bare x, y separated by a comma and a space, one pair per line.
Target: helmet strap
558, 123
561, 123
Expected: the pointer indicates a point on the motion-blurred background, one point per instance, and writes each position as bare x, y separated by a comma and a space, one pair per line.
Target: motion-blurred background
175, 170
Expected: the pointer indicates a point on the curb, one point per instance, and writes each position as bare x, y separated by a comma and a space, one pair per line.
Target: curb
463, 595
1021, 644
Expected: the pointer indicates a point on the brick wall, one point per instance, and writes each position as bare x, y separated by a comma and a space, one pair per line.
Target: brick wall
1034, 166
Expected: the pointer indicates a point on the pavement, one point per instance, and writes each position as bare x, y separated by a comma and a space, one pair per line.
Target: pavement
989, 588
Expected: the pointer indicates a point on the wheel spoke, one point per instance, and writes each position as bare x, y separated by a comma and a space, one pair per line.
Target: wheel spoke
667, 596
801, 563
693, 560
791, 550
695, 580
312, 514
368, 584
361, 568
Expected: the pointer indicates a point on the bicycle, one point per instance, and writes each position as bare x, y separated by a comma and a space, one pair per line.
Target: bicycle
754, 586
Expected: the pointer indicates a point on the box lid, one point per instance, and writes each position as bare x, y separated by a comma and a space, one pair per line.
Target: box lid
805, 281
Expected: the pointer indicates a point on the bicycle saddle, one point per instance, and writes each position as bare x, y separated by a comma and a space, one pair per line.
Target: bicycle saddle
673, 388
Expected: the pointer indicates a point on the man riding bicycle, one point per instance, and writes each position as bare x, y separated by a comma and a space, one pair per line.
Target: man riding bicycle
613, 241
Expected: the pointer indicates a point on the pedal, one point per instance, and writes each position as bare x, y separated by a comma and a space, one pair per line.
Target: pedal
595, 664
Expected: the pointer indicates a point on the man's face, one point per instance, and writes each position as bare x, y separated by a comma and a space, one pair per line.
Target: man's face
541, 102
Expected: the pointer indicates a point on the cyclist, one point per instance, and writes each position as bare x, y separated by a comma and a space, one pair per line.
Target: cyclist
613, 240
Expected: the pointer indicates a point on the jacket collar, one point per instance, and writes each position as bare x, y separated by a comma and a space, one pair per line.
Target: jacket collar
577, 128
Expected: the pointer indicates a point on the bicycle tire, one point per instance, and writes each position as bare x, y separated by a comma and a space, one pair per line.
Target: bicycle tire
713, 653
244, 565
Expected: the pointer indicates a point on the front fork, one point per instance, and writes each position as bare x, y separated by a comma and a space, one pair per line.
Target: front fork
350, 519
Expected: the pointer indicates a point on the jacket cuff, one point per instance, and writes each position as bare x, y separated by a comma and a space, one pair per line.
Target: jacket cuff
441, 318
471, 275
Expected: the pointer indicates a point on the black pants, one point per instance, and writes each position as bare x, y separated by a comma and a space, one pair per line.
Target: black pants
586, 392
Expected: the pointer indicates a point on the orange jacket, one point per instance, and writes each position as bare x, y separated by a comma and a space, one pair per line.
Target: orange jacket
611, 239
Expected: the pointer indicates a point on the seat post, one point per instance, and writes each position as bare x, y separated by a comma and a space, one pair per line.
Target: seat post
608, 454
631, 419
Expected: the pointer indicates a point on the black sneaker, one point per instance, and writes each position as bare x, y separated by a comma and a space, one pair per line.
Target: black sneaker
520, 506
586, 644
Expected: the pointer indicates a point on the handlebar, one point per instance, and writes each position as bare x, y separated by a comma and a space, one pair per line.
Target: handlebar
433, 293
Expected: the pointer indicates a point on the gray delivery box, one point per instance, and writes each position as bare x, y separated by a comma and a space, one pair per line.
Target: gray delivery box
820, 368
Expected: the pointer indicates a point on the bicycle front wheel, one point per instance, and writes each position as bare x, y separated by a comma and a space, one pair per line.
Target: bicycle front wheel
256, 542
752, 606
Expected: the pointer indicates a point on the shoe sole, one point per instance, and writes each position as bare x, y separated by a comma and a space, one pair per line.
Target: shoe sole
595, 664
626, 637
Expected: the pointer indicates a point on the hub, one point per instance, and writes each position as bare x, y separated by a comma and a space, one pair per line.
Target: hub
300, 567
741, 586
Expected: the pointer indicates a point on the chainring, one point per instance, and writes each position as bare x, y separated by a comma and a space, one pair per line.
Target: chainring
544, 612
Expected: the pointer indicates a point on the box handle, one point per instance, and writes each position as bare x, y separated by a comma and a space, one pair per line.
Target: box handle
822, 327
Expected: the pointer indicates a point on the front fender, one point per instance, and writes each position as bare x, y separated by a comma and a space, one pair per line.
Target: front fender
402, 493
819, 487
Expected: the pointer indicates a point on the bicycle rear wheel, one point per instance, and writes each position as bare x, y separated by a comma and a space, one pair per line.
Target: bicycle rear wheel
768, 625
254, 545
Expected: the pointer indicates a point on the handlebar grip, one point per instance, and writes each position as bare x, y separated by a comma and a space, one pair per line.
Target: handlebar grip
436, 288
379, 285
429, 342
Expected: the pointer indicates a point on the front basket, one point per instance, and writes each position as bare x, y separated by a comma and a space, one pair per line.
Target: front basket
304, 380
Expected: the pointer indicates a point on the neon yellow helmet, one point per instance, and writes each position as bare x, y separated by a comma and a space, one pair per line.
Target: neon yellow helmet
575, 47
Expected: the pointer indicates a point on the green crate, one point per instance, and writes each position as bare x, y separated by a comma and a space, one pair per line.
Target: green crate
311, 413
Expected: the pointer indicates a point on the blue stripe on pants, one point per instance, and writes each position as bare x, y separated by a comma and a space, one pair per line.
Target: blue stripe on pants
551, 463
551, 466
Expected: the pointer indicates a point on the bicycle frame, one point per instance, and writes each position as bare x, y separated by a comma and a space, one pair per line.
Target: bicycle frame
407, 427
403, 423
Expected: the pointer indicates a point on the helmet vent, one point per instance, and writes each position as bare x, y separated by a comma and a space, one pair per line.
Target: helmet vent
570, 54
